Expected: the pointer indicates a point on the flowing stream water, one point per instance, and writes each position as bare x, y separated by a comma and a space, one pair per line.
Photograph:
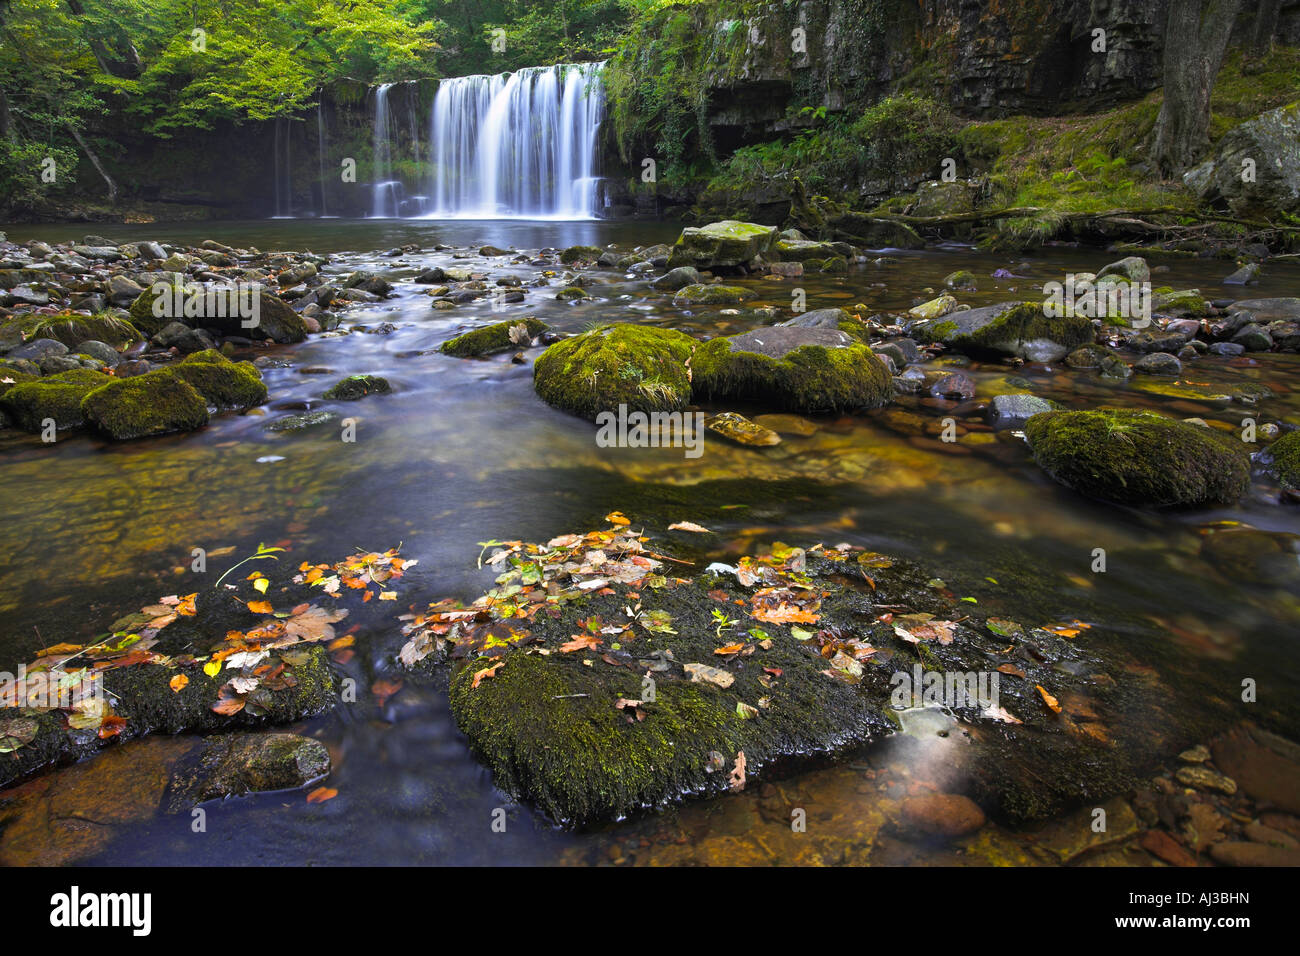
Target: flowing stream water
463, 451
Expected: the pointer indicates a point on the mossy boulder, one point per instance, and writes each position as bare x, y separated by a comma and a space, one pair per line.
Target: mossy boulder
9, 377
221, 382
73, 329
498, 337
1138, 458
1013, 328
154, 403
840, 319
1285, 453
712, 295
221, 308
581, 254
356, 387
591, 716
1188, 303
721, 245
56, 397
642, 367
801, 250
797, 369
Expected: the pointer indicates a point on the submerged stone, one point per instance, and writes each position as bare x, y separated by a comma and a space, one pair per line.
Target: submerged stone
356, 387
1012, 328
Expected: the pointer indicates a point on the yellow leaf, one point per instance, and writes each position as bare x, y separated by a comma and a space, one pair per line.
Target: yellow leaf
388, 595
212, 668
260, 585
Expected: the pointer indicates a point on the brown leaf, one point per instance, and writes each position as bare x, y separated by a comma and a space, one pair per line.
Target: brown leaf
485, 673
736, 779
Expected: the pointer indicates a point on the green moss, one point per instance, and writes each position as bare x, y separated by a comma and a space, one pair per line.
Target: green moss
581, 254
1138, 458
225, 384
491, 338
72, 330
56, 397
9, 377
810, 378
1286, 460
643, 367
150, 404
1020, 330
573, 292
700, 294
142, 316
355, 387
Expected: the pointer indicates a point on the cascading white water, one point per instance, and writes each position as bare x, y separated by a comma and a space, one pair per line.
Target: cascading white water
384, 201
517, 145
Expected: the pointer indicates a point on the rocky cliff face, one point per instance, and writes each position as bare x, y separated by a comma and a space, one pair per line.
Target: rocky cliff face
984, 57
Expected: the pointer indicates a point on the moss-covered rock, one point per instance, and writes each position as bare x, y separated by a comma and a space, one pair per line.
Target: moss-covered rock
801, 250
1013, 328
154, 403
72, 329
799, 369
498, 337
721, 245
10, 376
642, 367
221, 382
220, 308
712, 295
1138, 458
1286, 460
581, 254
572, 293
356, 387
591, 716
57, 397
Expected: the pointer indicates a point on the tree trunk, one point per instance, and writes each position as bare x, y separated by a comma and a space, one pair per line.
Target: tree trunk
1261, 40
94, 161
124, 65
7, 129
1196, 35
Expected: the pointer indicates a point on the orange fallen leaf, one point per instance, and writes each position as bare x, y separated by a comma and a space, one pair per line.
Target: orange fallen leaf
261, 607
729, 649
581, 642
616, 517
111, 727
321, 794
178, 683
1011, 669
1049, 700
485, 673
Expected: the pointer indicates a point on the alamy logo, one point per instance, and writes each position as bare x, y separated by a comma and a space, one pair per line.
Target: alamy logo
651, 430
49, 690
1091, 299
952, 689
74, 909
175, 300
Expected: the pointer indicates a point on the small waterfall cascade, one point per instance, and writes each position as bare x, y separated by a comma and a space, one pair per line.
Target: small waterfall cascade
518, 145
320, 156
385, 195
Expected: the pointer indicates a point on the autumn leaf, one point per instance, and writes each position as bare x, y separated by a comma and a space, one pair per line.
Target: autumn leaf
260, 585
111, 727
736, 779
321, 794
384, 689
784, 614
228, 702
1052, 704
485, 673
689, 526
1011, 669
179, 682
261, 607
729, 649
581, 642
616, 518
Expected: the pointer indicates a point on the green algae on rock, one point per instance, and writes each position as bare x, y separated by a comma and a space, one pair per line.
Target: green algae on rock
56, 398
356, 387
1138, 458
72, 329
154, 403
642, 367
798, 369
498, 337
1012, 328
223, 383
701, 294
721, 245
1285, 453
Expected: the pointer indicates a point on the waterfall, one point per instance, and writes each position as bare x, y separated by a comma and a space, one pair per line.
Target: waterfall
320, 153
282, 170
384, 199
517, 145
